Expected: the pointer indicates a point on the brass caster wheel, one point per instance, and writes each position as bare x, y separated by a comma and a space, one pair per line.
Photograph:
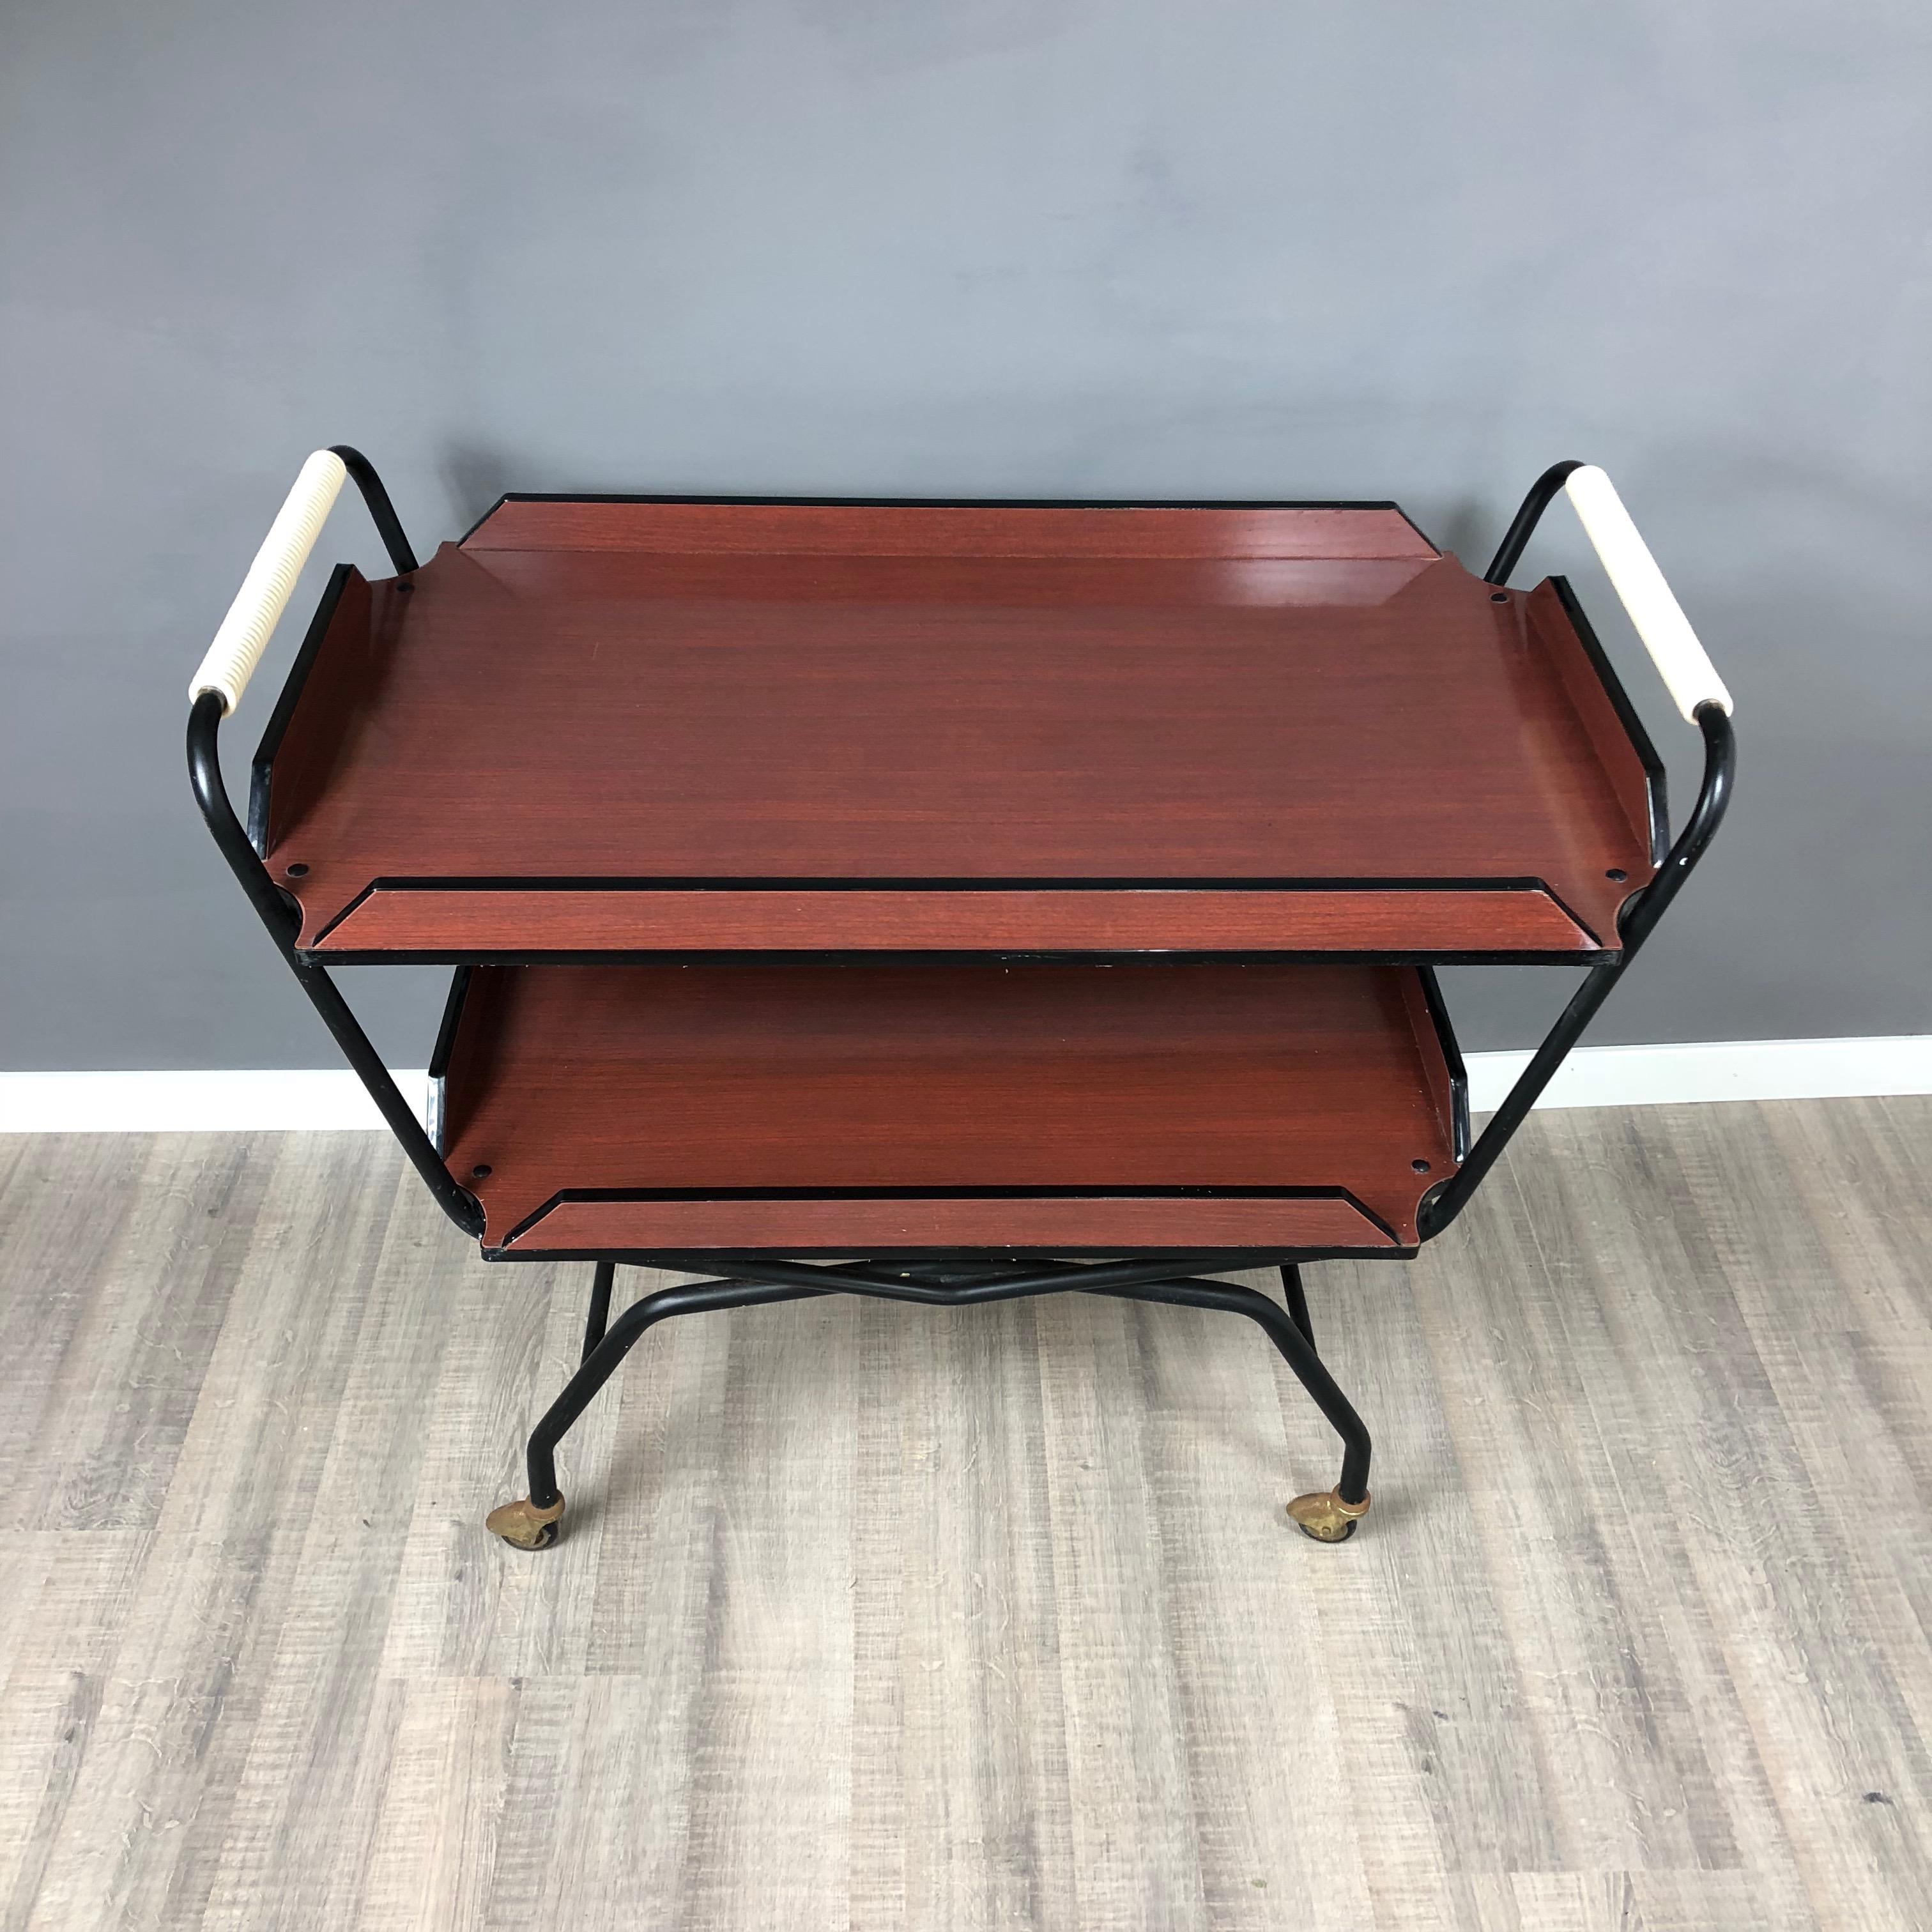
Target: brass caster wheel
1326, 1517
522, 1525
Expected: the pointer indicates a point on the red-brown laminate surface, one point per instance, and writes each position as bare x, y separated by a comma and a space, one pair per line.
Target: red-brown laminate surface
1130, 1225
1020, 702
897, 1087
426, 919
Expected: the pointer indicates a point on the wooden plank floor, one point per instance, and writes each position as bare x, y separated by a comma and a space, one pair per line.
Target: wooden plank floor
873, 1616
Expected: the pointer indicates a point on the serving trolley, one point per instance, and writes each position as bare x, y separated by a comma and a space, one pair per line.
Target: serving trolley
951, 901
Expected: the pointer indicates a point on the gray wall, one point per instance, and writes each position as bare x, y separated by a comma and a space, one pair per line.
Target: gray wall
1008, 247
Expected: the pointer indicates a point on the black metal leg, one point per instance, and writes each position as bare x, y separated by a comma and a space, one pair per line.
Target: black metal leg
598, 1319
1297, 1300
1330, 1515
531, 1522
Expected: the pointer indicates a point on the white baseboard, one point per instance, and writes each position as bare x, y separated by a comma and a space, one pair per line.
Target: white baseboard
315, 1100
1724, 1070
263, 1100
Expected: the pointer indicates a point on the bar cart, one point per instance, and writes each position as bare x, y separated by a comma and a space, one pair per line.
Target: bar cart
951, 901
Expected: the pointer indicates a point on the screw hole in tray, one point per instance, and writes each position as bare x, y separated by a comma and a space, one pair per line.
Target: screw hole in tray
480, 1172
1499, 596
297, 872
1617, 873
1420, 1166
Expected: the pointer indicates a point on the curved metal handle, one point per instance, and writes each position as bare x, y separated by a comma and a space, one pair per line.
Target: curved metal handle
1684, 664
264, 596
264, 592
1654, 609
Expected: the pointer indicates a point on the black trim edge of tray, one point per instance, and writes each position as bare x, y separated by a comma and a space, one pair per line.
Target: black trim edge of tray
718, 1260
1654, 780
439, 1058
261, 773
959, 503
1452, 1055
894, 956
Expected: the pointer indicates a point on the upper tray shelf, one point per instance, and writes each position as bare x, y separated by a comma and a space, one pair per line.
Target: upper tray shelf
604, 725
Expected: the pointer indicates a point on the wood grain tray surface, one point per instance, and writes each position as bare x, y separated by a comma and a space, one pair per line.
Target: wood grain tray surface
634, 726
862, 1108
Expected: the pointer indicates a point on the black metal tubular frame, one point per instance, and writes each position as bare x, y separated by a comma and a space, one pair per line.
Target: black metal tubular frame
598, 1319
1635, 924
279, 915
755, 1282
960, 1279
1640, 917
1522, 525
382, 512
1296, 1298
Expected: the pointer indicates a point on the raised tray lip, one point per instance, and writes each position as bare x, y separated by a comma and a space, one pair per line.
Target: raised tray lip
1656, 780
867, 1196
810, 502
318, 950
717, 1261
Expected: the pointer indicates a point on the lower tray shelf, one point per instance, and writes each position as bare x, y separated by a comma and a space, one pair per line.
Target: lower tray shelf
856, 1109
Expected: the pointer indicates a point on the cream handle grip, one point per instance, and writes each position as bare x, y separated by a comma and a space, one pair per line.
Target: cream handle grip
1685, 666
264, 592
